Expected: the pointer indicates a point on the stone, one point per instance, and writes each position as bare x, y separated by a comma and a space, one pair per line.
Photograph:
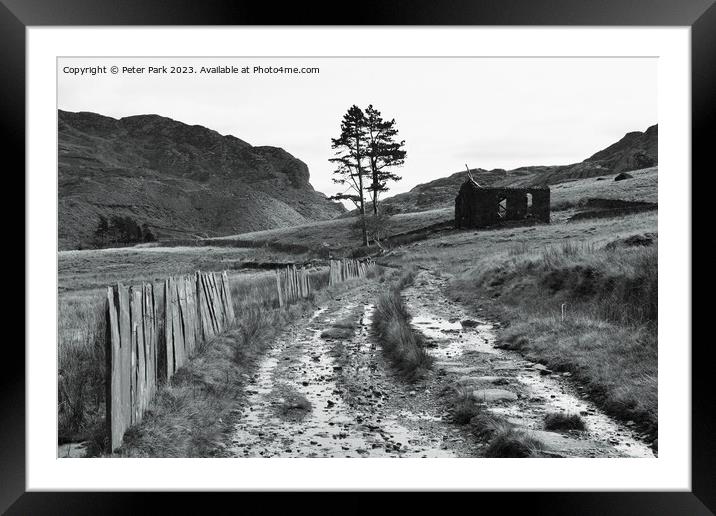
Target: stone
494, 395
471, 380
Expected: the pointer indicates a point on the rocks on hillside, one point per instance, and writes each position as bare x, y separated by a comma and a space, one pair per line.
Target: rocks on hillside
181, 180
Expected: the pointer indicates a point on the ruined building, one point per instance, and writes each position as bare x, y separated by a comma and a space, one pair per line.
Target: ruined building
478, 206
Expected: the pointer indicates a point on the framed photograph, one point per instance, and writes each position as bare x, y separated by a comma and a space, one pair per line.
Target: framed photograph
434, 248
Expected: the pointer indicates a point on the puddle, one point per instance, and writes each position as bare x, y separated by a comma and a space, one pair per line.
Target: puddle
451, 338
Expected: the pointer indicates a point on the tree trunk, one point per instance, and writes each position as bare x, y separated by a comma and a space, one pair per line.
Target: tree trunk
375, 200
362, 217
374, 172
362, 194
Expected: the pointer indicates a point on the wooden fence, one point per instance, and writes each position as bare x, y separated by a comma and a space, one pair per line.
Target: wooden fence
292, 284
147, 341
150, 335
347, 269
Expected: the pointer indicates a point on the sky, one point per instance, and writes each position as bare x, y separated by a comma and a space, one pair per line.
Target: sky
451, 112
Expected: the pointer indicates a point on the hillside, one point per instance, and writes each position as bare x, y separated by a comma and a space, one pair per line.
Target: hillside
180, 180
636, 150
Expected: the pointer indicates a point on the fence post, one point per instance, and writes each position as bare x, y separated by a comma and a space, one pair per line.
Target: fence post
113, 399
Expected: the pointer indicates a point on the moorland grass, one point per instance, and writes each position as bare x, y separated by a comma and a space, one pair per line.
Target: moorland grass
513, 443
404, 346
81, 364
607, 337
339, 232
464, 409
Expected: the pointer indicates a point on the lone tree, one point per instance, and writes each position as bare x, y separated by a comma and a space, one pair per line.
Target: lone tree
384, 151
351, 150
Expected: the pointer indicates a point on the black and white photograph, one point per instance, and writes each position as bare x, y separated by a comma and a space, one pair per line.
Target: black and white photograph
424, 247
363, 257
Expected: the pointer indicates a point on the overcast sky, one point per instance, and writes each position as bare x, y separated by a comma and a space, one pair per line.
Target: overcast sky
484, 112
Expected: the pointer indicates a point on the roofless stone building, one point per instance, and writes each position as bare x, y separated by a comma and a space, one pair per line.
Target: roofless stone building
477, 206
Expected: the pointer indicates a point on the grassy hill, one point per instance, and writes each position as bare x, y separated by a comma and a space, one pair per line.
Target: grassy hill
340, 232
567, 199
636, 150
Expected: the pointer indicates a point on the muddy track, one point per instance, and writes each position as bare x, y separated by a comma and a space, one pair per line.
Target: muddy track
357, 407
325, 390
509, 386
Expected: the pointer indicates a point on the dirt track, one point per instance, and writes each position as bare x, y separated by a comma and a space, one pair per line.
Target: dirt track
335, 396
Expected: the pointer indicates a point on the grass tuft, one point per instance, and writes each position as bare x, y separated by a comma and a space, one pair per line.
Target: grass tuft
513, 443
294, 407
462, 405
464, 410
561, 422
404, 347
485, 425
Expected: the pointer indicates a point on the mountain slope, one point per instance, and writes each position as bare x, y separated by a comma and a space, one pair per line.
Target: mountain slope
180, 180
636, 150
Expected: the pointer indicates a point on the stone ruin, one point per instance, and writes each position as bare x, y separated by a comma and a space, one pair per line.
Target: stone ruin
477, 206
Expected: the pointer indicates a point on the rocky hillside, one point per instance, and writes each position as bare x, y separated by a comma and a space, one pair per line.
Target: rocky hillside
179, 180
636, 150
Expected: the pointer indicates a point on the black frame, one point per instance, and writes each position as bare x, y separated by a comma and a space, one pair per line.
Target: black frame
700, 15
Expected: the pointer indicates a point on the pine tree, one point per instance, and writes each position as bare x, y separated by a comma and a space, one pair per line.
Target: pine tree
351, 148
383, 152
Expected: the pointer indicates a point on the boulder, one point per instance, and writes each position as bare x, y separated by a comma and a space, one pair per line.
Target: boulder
494, 395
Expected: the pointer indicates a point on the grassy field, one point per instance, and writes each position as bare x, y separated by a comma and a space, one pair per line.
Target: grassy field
340, 232
91, 269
